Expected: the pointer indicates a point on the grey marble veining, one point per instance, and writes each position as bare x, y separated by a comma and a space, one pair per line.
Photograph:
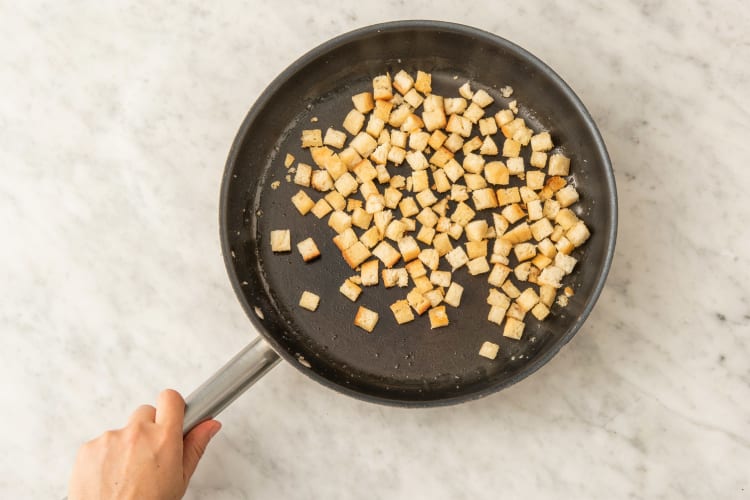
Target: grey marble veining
115, 120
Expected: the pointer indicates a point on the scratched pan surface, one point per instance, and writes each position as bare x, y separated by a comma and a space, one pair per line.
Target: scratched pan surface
408, 365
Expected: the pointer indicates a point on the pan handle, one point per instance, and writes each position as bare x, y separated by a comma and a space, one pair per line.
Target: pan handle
231, 380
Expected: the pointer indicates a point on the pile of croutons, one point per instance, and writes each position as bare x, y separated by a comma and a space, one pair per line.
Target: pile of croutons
411, 175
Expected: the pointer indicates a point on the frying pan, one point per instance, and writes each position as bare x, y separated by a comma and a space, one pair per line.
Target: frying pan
407, 365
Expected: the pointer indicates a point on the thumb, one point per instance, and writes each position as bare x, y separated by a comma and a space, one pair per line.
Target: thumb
194, 445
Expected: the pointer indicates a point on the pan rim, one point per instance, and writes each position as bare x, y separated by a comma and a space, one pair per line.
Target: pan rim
325, 47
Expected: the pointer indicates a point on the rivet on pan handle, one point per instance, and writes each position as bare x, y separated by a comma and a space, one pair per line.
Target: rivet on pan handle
231, 380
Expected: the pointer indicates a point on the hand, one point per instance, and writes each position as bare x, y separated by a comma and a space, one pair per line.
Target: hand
146, 460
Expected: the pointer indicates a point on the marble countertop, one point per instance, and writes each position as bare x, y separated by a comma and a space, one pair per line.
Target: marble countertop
115, 121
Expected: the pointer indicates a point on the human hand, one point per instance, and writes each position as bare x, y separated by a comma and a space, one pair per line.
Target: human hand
146, 460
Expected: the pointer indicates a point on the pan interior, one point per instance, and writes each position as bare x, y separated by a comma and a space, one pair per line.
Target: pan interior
399, 364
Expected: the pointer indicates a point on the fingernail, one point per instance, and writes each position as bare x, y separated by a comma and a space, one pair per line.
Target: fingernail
215, 429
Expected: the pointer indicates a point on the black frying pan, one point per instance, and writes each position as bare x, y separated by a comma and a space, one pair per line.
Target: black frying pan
407, 365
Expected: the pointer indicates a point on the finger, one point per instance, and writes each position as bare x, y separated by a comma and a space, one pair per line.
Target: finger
170, 409
195, 445
144, 413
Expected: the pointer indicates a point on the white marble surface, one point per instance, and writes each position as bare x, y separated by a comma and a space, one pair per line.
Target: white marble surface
115, 120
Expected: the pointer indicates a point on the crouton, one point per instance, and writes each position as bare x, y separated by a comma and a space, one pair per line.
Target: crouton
423, 82
457, 258
541, 229
302, 202
578, 234
551, 276
309, 301
386, 253
353, 122
402, 312
381, 86
350, 290
478, 265
567, 196
371, 237
510, 289
321, 181
438, 317
366, 319
559, 165
489, 350
308, 249
540, 311
453, 295
527, 300
498, 275
513, 328
511, 148
281, 240
356, 254
369, 273
416, 269
417, 301
473, 113
395, 277
538, 159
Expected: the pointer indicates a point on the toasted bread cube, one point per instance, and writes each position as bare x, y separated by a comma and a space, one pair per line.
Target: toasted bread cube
541, 261
578, 234
535, 210
434, 103
476, 230
559, 165
547, 248
381, 86
364, 144
288, 160
507, 196
502, 247
473, 113
426, 198
420, 180
423, 82
354, 122
350, 290
454, 142
459, 193
515, 166
518, 234
478, 265
496, 173
345, 239
535, 179
361, 219
409, 248
476, 249
302, 202
441, 243
538, 159
416, 269
540, 311
417, 160
498, 275
484, 198
513, 328
281, 240
500, 224
363, 102
504, 117
562, 301
455, 106
499, 259
567, 196
551, 209
395, 277
418, 140
312, 138
541, 229
496, 314
442, 184
409, 224
321, 208
457, 258
441, 278
471, 145
527, 300
547, 295
455, 231
474, 181
375, 203
429, 258
541, 142
417, 301
426, 235
386, 253
465, 91
402, 312
515, 312
551, 276
303, 174
369, 273
309, 301
396, 155
463, 214
435, 296
488, 147
339, 221
522, 271
438, 317
322, 181
523, 135
482, 98
487, 127
453, 295
441, 157
498, 299
558, 233
352, 205
510, 289
460, 125
399, 116
383, 220
453, 171
510, 128
395, 230
408, 207
403, 82
473, 163
383, 111
511, 148
374, 126
566, 218
565, 262
433, 120
366, 319
371, 237
380, 155
513, 213
413, 98
437, 138
489, 350
334, 138
392, 197
356, 254
555, 183
350, 157
364, 170
346, 184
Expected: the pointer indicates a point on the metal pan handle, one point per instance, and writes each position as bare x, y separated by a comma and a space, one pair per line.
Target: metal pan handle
231, 380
